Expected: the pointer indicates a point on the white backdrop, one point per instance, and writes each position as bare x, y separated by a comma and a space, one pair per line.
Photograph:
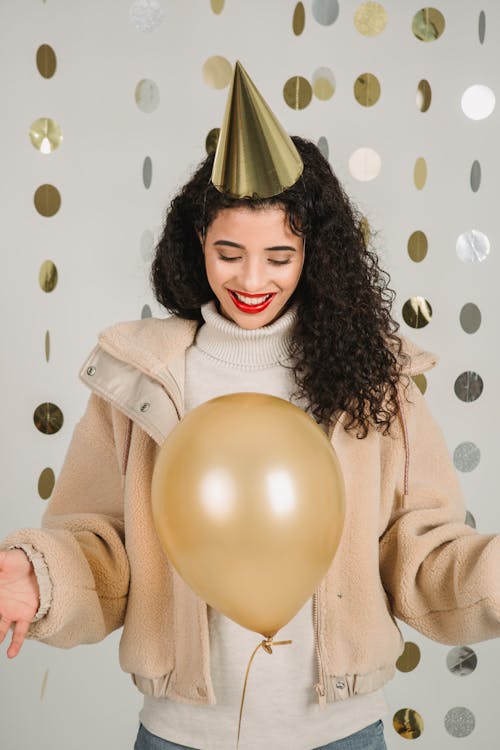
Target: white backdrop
99, 243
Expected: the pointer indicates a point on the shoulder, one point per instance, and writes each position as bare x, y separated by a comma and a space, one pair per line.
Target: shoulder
151, 340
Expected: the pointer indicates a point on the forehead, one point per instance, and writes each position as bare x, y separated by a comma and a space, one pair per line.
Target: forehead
243, 220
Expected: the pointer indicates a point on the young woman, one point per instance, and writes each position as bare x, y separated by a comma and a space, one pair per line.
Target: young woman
279, 295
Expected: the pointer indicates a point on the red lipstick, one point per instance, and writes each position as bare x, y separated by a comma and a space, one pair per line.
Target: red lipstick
251, 308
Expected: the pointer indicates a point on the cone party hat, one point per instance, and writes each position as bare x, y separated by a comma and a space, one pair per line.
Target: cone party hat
255, 157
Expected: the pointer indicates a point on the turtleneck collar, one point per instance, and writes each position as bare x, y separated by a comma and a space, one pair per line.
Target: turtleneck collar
261, 347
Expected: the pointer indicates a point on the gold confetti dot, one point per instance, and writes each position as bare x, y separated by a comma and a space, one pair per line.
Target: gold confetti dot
211, 140
417, 312
408, 723
424, 95
48, 276
46, 61
297, 92
420, 173
217, 72
410, 657
364, 225
417, 246
370, 19
367, 89
428, 24
48, 418
421, 382
45, 135
323, 83
47, 200
217, 6
299, 19
46, 482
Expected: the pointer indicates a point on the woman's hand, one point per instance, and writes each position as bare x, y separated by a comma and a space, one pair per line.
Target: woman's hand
19, 597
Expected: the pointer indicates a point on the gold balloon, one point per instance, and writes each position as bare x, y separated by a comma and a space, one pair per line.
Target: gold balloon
248, 504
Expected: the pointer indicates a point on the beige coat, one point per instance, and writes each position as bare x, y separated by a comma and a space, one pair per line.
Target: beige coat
405, 550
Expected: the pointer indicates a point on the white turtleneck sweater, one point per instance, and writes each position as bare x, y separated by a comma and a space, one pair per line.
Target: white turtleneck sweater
281, 710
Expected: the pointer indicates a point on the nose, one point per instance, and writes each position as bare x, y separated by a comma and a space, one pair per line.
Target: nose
254, 276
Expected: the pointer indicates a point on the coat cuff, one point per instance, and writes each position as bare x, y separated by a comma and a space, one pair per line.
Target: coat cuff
42, 576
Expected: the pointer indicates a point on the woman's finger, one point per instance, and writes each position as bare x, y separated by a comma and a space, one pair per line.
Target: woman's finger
20, 630
4, 627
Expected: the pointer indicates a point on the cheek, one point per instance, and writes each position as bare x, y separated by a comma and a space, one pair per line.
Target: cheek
217, 273
210, 267
291, 279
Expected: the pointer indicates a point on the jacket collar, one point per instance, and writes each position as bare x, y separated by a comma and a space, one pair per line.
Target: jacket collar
419, 360
153, 344
132, 357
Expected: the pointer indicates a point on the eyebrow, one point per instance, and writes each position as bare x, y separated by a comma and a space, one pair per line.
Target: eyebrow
229, 243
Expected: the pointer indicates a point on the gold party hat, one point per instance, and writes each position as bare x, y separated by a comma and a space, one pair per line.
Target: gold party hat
254, 157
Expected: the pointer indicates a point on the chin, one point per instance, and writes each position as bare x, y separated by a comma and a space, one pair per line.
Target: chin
251, 322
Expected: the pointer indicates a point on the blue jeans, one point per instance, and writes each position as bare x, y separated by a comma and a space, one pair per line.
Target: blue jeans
369, 738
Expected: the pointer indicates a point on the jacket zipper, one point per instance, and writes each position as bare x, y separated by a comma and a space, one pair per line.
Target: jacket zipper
320, 684
174, 391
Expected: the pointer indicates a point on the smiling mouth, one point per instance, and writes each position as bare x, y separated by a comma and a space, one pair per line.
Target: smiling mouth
251, 303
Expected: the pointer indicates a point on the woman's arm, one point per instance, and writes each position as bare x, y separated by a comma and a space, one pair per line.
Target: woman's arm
82, 538
442, 577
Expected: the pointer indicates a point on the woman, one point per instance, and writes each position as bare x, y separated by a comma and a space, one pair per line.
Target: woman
278, 294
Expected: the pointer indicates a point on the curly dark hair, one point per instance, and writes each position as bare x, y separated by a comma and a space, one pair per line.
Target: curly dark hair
347, 356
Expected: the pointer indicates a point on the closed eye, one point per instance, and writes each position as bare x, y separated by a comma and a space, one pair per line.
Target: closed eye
273, 262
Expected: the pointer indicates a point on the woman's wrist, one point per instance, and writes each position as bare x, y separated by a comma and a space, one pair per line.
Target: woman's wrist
40, 577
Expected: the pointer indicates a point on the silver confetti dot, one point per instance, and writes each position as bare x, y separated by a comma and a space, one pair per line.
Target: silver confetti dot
466, 457
470, 520
482, 27
468, 386
147, 172
325, 12
470, 317
147, 95
44, 684
461, 660
146, 15
323, 146
475, 176
473, 247
459, 722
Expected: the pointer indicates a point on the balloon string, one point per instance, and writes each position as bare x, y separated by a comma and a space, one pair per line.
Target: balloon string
266, 644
